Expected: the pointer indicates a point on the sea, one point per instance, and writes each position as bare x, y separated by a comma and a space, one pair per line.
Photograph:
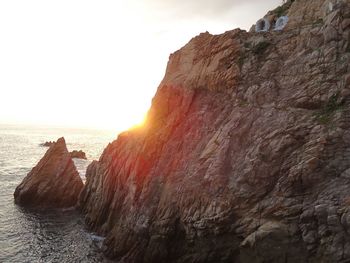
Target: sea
50, 236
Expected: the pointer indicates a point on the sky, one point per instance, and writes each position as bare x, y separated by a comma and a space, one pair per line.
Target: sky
97, 64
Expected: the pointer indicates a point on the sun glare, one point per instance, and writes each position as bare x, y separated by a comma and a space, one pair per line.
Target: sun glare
141, 122
134, 122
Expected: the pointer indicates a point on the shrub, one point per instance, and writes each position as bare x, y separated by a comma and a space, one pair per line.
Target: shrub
241, 61
261, 47
333, 105
283, 9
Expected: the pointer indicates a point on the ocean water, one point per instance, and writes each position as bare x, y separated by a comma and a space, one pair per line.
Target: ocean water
50, 236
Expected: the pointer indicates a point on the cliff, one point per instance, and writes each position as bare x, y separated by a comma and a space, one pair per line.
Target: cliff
245, 156
53, 183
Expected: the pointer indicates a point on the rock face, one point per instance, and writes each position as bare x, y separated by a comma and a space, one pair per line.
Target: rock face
53, 183
245, 156
78, 154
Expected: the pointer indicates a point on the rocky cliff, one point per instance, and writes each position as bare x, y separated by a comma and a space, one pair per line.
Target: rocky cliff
245, 156
53, 183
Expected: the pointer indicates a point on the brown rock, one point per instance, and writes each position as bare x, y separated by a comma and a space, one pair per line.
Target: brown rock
78, 154
345, 23
244, 156
53, 183
47, 144
330, 33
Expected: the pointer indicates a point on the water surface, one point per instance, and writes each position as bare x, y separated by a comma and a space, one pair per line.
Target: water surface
50, 236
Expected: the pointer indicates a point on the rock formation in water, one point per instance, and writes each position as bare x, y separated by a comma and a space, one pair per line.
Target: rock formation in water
245, 156
53, 183
78, 154
47, 144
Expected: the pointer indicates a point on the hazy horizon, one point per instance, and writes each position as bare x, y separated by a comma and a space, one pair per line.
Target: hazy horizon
96, 64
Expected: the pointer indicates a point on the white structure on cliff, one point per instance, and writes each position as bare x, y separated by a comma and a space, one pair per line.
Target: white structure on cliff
281, 23
263, 25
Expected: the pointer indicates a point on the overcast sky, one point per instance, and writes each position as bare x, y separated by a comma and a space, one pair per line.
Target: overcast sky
98, 63
208, 8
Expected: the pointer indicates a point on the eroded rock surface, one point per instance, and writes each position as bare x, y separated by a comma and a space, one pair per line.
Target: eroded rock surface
245, 156
53, 183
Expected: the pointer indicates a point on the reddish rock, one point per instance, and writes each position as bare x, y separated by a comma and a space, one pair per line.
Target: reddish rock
53, 183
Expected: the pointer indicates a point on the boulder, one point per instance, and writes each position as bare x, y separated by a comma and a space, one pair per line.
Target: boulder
47, 144
53, 183
78, 154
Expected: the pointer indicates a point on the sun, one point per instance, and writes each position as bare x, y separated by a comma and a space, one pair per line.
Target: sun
135, 122
122, 118
140, 123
